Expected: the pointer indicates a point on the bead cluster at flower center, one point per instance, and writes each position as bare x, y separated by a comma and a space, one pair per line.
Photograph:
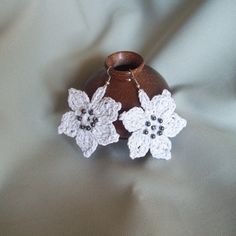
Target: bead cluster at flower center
154, 127
87, 119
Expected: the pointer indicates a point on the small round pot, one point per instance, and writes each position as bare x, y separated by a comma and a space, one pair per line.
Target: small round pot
122, 88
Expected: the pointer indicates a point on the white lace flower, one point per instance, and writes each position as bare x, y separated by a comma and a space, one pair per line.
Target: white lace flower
152, 124
90, 122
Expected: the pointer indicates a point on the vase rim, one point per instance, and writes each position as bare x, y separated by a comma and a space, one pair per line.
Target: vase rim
122, 64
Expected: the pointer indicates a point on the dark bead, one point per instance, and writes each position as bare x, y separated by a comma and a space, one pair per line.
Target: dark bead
159, 133
88, 128
160, 120
91, 112
82, 127
153, 117
161, 127
145, 131
153, 127
147, 123
88, 119
95, 119
83, 111
92, 124
79, 118
153, 136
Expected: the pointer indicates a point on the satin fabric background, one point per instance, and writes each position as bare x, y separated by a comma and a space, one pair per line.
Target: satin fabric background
48, 188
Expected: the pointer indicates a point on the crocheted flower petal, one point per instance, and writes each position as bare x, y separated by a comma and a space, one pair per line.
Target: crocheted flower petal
105, 134
160, 148
107, 110
144, 99
163, 105
134, 119
86, 141
138, 144
77, 99
174, 125
69, 124
98, 95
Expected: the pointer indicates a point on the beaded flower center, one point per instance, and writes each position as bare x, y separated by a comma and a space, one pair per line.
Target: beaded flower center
87, 119
153, 127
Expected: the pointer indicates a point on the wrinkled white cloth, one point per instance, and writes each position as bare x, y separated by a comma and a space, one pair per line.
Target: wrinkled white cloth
47, 188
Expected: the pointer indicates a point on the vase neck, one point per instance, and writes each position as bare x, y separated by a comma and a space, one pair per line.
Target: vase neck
124, 63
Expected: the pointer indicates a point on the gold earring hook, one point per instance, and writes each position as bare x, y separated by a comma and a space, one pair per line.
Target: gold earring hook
109, 76
132, 77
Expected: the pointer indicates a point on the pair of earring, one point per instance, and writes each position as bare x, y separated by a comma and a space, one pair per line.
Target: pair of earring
90, 122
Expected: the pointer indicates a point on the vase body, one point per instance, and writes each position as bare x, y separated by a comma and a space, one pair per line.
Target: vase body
122, 88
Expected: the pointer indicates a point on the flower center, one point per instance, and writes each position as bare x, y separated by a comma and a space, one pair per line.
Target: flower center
87, 119
154, 127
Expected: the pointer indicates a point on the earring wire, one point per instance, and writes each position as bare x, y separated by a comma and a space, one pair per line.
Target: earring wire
134, 79
109, 76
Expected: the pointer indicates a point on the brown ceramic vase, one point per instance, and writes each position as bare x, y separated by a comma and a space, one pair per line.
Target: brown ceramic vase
121, 88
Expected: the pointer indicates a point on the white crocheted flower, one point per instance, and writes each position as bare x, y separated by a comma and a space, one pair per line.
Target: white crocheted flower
152, 124
90, 122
